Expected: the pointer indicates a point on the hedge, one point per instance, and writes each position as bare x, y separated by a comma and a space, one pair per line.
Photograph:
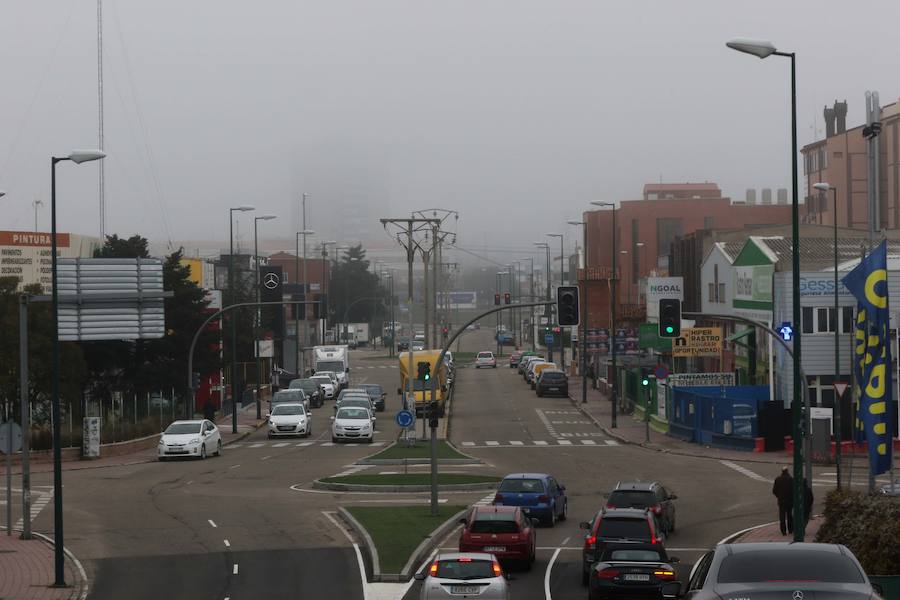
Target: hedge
869, 525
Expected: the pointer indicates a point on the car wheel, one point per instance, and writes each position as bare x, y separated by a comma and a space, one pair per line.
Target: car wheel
585, 576
495, 366
269, 436
219, 448
532, 386
370, 440
202, 451
552, 522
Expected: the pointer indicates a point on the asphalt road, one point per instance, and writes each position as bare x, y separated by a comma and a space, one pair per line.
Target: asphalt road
246, 524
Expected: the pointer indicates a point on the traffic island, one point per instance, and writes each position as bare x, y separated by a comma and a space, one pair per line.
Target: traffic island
406, 482
419, 454
398, 538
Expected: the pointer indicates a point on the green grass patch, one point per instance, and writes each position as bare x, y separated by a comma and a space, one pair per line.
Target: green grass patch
410, 479
419, 450
398, 530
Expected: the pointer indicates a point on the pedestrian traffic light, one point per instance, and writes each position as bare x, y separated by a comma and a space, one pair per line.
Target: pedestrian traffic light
567, 304
424, 373
645, 381
497, 299
506, 298
669, 318
195, 380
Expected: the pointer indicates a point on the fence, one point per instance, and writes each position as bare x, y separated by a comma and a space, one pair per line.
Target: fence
717, 415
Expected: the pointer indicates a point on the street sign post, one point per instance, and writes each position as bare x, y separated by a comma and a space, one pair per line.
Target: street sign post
10, 441
548, 339
405, 419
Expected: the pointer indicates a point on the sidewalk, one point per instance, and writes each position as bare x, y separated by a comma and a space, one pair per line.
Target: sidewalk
770, 532
27, 568
632, 431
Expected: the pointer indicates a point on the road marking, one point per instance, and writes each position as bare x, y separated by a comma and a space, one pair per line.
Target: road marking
211, 522
281, 445
235, 445
492, 443
234, 466
515, 443
234, 571
266, 457
328, 444
190, 482
565, 442
304, 444
257, 445
37, 505
227, 544
588, 442
546, 423
547, 593
400, 501
743, 470
486, 501
540, 443
611, 442
468, 443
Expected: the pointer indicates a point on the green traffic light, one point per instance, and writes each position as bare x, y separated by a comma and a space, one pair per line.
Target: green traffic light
645, 382
427, 376
670, 329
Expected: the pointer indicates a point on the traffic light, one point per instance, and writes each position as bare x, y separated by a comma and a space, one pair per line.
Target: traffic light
445, 331
567, 304
645, 381
195, 380
506, 298
497, 299
669, 318
424, 373
556, 330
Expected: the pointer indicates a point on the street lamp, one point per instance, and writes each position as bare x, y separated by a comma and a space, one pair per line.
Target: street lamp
256, 221
562, 275
232, 316
500, 274
77, 157
614, 258
584, 312
299, 365
762, 49
530, 259
546, 248
825, 187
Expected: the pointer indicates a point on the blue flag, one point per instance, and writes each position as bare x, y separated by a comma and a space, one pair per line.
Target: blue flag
868, 282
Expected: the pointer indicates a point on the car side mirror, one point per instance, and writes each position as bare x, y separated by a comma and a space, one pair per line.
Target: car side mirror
671, 589
268, 415
420, 576
584, 525
373, 419
347, 370
562, 488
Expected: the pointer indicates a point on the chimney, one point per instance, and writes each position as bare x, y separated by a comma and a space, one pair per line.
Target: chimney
840, 113
829, 122
782, 195
767, 196
751, 196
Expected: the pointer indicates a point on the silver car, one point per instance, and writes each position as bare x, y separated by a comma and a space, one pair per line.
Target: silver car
464, 575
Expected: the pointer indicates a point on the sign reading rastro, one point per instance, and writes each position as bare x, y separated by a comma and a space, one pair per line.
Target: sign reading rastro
698, 341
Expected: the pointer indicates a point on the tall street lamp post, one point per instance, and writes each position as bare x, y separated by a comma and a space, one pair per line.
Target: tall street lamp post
824, 187
77, 157
256, 221
299, 363
546, 248
562, 274
233, 315
613, 300
763, 49
326, 277
532, 324
584, 314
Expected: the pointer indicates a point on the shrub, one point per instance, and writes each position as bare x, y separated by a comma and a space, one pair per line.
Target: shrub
868, 525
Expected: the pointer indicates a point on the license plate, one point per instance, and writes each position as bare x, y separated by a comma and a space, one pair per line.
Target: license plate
636, 577
464, 589
556, 389
495, 548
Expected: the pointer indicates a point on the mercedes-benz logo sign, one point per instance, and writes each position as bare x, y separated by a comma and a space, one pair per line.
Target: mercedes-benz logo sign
271, 282
797, 595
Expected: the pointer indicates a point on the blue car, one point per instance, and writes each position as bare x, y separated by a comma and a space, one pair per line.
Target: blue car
539, 495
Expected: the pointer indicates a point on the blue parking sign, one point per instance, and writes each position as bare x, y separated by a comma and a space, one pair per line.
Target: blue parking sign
405, 418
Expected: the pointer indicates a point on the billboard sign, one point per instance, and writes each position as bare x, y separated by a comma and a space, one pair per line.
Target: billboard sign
698, 379
698, 341
26, 255
659, 288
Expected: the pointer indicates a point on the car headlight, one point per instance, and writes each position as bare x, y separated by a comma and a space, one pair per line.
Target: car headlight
195, 441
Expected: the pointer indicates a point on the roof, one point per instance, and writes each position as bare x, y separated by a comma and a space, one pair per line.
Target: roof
793, 546
458, 555
818, 253
653, 187
492, 510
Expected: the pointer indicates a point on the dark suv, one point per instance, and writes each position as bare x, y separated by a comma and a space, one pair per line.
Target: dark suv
552, 381
312, 390
652, 496
616, 525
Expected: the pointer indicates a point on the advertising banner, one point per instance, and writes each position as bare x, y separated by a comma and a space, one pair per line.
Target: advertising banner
659, 288
26, 255
90, 437
698, 341
697, 379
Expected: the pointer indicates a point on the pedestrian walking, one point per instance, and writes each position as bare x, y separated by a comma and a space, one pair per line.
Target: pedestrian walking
783, 490
209, 411
592, 375
807, 500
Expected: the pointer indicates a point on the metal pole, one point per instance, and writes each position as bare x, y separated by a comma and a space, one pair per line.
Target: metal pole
531, 293
497, 328
584, 318
562, 333
837, 350
256, 323
234, 374
297, 369
547, 309
305, 285
9, 451
58, 539
26, 423
612, 331
435, 266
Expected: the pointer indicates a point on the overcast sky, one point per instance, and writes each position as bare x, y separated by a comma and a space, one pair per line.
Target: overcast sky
516, 113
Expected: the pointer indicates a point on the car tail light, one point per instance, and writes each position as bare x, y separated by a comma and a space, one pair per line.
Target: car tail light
497, 570
610, 506
607, 573
665, 575
464, 559
590, 541
543, 498
432, 570
498, 498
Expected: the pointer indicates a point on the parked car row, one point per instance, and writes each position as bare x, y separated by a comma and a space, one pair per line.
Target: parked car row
544, 377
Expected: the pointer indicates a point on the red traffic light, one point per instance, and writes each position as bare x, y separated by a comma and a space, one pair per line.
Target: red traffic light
445, 331
506, 298
497, 299
556, 330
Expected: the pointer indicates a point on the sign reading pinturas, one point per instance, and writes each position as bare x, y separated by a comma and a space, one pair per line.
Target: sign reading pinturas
695, 379
698, 341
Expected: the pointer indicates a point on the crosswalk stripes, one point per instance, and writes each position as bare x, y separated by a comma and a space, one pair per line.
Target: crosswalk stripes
565, 442
468, 443
589, 442
515, 443
281, 445
492, 443
538, 443
304, 444
611, 442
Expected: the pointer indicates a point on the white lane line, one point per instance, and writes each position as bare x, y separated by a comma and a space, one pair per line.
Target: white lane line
492, 443
516, 443
547, 594
266, 457
546, 422
281, 445
611, 442
588, 442
328, 444
377, 444
304, 444
257, 445
743, 470
468, 443
211, 522
234, 466
234, 571
227, 544
540, 443
564, 442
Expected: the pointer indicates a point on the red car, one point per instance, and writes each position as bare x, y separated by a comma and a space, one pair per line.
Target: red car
504, 531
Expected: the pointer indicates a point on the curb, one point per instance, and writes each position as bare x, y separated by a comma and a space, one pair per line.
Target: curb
607, 431
357, 528
84, 582
400, 489
730, 539
417, 461
428, 545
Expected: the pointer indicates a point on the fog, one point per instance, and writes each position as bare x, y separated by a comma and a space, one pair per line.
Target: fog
514, 113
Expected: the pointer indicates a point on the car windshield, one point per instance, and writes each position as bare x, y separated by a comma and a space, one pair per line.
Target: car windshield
373, 390
495, 526
553, 376
353, 412
322, 380
288, 396
529, 486
631, 499
361, 402
786, 565
485, 355
331, 366
289, 409
624, 528
465, 568
181, 428
636, 555
308, 385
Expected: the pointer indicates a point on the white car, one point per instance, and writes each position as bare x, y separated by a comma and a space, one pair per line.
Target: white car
290, 419
196, 438
485, 359
353, 423
466, 575
327, 384
335, 380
